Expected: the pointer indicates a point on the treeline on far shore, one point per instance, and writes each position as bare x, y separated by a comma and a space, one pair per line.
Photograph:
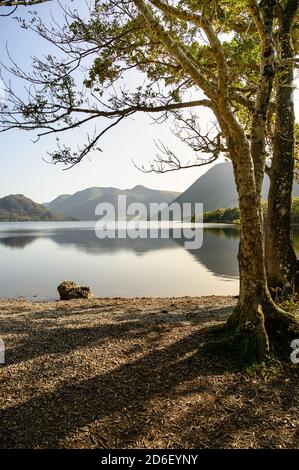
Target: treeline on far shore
232, 215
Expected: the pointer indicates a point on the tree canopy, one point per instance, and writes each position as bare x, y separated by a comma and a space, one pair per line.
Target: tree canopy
112, 42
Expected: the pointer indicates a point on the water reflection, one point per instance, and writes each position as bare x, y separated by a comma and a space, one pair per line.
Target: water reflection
218, 253
111, 266
17, 242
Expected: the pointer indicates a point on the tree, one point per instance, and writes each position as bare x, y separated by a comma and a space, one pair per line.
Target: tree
180, 49
281, 260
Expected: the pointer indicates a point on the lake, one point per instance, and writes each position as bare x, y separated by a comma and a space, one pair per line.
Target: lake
37, 256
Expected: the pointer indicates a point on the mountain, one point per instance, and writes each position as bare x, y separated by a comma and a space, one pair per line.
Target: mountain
217, 189
82, 204
57, 200
17, 208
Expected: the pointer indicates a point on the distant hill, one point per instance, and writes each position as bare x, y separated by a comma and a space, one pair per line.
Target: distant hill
18, 208
217, 189
82, 204
57, 200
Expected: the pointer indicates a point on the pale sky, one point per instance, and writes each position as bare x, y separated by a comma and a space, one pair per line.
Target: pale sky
22, 169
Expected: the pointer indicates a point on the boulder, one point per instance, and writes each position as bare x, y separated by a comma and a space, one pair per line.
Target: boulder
70, 290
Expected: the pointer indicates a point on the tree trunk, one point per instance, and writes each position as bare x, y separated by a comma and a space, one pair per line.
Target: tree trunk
256, 315
247, 320
280, 255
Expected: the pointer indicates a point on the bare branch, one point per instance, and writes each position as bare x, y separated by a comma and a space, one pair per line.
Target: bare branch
189, 132
10, 13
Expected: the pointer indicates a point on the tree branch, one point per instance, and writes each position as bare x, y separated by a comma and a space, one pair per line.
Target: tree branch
12, 3
202, 22
174, 48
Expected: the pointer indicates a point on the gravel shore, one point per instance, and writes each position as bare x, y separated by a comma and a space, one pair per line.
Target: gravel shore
132, 373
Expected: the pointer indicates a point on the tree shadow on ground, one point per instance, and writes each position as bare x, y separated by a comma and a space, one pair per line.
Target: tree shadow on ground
50, 338
178, 395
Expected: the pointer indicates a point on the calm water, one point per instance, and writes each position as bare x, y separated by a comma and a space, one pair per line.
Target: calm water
36, 257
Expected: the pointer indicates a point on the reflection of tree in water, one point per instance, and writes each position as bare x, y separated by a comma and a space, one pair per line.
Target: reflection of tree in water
219, 251
227, 232
17, 242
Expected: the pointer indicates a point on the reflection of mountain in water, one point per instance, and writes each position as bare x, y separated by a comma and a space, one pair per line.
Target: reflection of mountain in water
218, 253
90, 243
87, 241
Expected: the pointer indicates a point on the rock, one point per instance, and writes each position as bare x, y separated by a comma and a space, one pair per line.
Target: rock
70, 290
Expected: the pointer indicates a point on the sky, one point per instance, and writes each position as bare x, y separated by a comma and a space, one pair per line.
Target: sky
22, 168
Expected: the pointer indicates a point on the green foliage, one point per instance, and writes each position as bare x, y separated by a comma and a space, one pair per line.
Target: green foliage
109, 42
233, 215
226, 345
290, 305
295, 211
18, 208
296, 152
222, 215
269, 369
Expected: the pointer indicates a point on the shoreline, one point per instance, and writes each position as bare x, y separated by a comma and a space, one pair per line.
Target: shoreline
217, 300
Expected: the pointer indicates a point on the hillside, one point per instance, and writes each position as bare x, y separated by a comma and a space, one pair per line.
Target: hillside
216, 188
82, 204
18, 208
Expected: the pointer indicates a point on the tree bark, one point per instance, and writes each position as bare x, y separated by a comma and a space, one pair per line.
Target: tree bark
247, 320
281, 262
256, 316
